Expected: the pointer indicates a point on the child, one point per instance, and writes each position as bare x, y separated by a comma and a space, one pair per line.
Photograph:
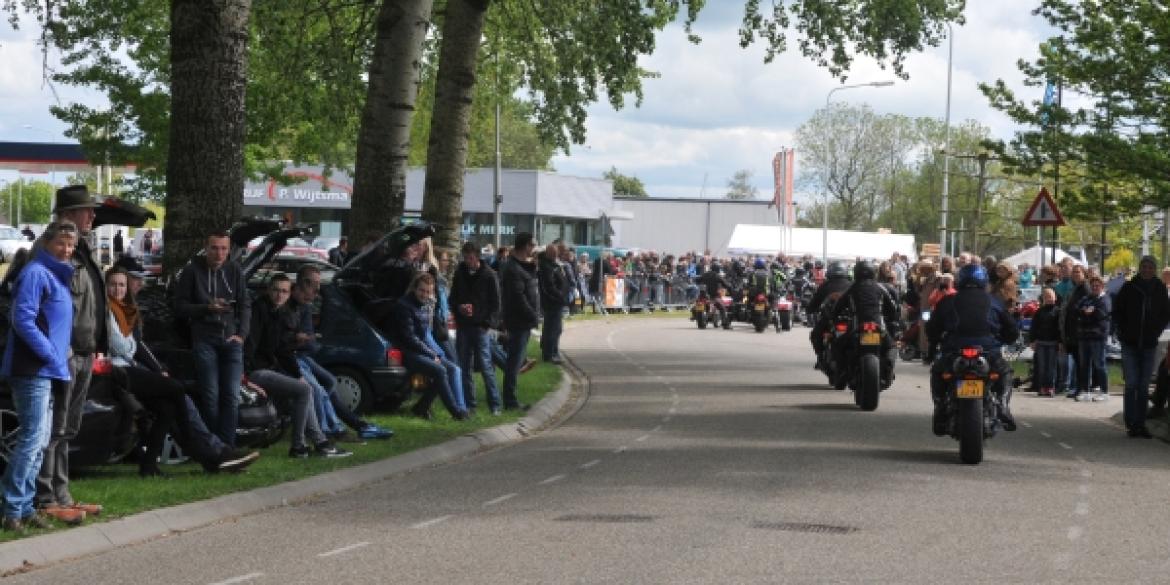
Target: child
1045, 338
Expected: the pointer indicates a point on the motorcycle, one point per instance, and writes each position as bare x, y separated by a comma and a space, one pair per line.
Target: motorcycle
863, 365
806, 295
761, 313
728, 310
838, 333
972, 406
703, 312
782, 315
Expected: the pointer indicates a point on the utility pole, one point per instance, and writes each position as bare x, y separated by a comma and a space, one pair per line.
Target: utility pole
983, 158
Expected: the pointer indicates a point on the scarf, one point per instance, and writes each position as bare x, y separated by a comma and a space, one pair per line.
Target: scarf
125, 314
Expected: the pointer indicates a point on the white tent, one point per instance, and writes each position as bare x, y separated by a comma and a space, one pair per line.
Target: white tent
1032, 256
771, 239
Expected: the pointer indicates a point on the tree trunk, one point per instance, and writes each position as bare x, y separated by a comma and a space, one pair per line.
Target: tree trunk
451, 120
205, 161
379, 190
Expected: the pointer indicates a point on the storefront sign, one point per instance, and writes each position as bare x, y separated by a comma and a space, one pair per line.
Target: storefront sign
471, 229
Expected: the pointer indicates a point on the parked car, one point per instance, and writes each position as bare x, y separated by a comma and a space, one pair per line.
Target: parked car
11, 240
289, 265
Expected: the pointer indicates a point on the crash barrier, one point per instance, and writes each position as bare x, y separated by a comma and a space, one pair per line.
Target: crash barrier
640, 292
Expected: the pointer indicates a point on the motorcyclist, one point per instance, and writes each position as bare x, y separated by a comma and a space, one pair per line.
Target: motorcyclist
713, 282
760, 280
836, 282
869, 301
971, 317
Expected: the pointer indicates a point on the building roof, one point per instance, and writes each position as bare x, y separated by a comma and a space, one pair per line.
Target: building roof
43, 157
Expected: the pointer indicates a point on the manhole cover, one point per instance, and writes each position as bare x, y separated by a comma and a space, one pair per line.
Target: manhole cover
805, 527
610, 518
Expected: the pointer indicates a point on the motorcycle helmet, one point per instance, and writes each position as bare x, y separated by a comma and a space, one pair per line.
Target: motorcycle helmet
836, 270
798, 273
972, 276
819, 264
760, 264
864, 271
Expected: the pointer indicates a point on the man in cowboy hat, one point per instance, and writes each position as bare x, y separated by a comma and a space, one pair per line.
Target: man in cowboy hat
74, 203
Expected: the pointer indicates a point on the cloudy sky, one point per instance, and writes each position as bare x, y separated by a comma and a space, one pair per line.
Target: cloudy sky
716, 108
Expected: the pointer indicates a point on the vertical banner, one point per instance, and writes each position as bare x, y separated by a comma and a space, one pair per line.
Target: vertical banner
778, 186
789, 175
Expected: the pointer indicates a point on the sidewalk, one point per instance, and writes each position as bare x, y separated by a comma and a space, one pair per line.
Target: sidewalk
66, 544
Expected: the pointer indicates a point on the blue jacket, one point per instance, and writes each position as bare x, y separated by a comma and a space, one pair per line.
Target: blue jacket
42, 320
410, 326
971, 317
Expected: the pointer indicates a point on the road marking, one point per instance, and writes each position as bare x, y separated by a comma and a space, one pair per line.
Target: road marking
1066, 446
553, 479
656, 429
240, 579
1026, 424
1086, 473
1075, 532
672, 410
621, 449
642, 438
1045, 435
432, 522
343, 549
589, 464
1082, 509
500, 500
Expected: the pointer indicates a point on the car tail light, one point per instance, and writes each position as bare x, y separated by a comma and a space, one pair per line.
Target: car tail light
869, 326
102, 366
394, 356
970, 352
842, 327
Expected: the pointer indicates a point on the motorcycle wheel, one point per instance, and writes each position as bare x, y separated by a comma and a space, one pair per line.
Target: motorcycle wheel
727, 321
786, 322
760, 323
701, 320
869, 384
969, 428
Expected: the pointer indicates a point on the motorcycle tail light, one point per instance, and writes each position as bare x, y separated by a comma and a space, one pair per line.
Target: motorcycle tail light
970, 352
947, 375
791, 297
993, 375
760, 298
394, 356
869, 327
102, 366
842, 327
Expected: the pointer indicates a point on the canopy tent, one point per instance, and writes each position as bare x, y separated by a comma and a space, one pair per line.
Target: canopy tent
845, 245
1032, 256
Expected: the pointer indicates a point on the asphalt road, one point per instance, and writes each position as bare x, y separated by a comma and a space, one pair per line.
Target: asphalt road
715, 457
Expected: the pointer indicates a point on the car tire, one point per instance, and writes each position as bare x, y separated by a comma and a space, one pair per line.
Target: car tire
354, 389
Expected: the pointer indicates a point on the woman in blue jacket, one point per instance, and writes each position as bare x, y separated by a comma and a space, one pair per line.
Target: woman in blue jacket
37, 352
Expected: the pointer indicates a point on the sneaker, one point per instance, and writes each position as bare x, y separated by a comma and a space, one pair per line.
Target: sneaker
301, 452
1084, 397
1101, 397
36, 520
372, 431
331, 451
496, 411
237, 460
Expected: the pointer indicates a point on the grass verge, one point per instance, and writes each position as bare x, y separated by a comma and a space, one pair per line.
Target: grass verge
119, 489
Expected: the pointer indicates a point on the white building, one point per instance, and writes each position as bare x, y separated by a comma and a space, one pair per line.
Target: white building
685, 225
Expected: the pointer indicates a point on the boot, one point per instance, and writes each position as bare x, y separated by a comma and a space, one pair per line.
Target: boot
1005, 411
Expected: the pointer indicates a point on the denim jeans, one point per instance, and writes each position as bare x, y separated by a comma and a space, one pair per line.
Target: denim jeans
550, 333
473, 346
454, 372
322, 406
298, 394
317, 374
68, 406
1138, 365
1091, 362
440, 376
1044, 371
516, 348
219, 365
499, 356
33, 400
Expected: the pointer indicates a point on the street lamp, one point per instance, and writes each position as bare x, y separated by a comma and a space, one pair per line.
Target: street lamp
942, 242
825, 211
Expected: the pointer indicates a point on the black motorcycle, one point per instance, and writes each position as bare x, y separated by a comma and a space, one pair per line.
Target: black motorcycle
761, 312
836, 334
862, 367
704, 311
972, 404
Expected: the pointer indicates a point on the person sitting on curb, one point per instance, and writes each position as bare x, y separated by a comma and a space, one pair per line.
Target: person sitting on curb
271, 366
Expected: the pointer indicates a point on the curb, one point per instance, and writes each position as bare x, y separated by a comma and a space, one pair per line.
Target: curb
29, 553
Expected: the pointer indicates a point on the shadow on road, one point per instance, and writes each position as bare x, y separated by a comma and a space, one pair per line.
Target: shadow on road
829, 406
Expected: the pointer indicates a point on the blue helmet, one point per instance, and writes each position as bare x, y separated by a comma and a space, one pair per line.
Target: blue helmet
760, 263
972, 276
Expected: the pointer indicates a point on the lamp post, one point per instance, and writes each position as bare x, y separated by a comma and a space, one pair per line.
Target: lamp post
825, 211
947, 142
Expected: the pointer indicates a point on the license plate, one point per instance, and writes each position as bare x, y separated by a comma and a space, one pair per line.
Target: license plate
700, 306
970, 389
761, 306
871, 338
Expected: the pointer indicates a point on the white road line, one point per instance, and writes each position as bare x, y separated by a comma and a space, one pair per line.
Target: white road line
1045, 435
1082, 509
1026, 424
553, 479
432, 522
240, 579
656, 429
343, 549
1066, 446
589, 464
642, 438
500, 500
1075, 532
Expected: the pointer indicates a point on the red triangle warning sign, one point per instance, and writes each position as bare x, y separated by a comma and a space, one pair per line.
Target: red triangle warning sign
1043, 211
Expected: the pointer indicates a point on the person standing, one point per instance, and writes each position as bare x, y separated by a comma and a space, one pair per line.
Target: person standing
74, 204
554, 292
1044, 335
1077, 290
475, 296
1141, 314
119, 245
148, 242
213, 295
339, 255
36, 356
520, 299
1092, 331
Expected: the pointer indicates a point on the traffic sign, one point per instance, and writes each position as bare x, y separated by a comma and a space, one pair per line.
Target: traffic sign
1043, 211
